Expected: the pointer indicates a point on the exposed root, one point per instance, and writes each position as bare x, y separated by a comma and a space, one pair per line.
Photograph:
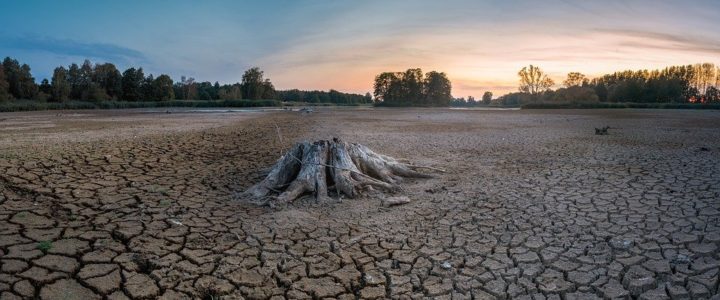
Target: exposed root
348, 168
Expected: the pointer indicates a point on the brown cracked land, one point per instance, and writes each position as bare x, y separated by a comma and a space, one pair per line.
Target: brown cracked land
137, 205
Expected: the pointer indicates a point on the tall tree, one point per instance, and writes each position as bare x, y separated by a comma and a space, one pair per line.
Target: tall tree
28, 87
533, 80
412, 82
487, 97
437, 89
147, 87
45, 87
132, 83
107, 77
163, 88
188, 88
60, 85
253, 84
383, 86
75, 79
12, 74
704, 76
4, 93
21, 84
574, 79
268, 90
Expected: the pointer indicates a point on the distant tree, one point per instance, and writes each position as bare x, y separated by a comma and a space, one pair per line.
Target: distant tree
471, 101
367, 98
132, 84
11, 68
86, 79
4, 93
712, 95
437, 89
487, 97
21, 84
572, 94
704, 76
186, 89
533, 80
574, 79
383, 86
148, 89
513, 99
74, 78
413, 83
28, 87
163, 88
215, 94
268, 90
107, 77
253, 84
45, 87
60, 85
230, 92
204, 90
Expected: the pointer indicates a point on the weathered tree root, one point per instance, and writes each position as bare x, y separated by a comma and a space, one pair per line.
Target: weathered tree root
347, 168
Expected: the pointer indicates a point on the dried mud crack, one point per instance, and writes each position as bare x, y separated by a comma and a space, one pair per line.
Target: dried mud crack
533, 206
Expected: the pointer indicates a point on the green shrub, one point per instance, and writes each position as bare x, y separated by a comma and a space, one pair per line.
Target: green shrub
44, 246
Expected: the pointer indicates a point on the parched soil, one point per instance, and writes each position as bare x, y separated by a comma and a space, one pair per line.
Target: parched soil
534, 205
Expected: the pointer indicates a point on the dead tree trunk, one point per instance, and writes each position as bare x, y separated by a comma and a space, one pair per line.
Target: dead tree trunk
347, 168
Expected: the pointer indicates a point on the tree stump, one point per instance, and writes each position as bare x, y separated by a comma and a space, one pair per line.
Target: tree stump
602, 130
343, 168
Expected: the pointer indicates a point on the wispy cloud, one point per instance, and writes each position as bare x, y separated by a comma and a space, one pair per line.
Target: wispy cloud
66, 47
664, 41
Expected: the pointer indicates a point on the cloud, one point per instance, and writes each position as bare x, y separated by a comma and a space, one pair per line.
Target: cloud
65, 47
664, 41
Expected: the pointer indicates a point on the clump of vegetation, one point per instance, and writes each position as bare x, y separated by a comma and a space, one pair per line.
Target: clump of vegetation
44, 246
165, 202
411, 88
158, 189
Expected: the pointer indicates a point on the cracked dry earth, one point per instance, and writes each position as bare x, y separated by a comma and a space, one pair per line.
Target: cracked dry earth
114, 205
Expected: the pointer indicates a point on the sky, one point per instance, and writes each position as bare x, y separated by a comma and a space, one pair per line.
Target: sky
343, 45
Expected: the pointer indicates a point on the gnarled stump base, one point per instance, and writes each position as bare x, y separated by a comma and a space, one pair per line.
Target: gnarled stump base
347, 168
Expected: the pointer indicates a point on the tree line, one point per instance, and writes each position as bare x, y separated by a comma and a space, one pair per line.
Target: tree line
698, 83
412, 88
331, 96
103, 81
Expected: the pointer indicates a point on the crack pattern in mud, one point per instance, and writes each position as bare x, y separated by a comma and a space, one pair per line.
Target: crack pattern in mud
535, 212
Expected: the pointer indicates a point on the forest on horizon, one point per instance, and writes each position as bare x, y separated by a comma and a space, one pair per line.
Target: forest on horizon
698, 83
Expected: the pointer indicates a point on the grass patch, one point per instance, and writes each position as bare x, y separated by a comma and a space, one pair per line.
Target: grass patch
158, 189
44, 246
165, 203
620, 105
30, 105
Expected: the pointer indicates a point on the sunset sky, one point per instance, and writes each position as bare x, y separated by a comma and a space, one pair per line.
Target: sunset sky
343, 44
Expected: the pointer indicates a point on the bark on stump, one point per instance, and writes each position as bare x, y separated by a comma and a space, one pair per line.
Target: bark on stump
345, 168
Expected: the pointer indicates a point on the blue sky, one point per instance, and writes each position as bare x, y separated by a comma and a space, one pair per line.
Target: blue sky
343, 44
